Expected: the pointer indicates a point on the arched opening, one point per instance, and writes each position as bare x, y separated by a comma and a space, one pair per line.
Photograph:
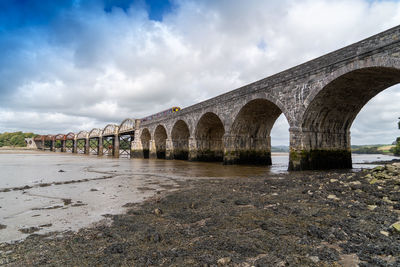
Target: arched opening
209, 135
160, 137
145, 139
330, 114
249, 141
180, 140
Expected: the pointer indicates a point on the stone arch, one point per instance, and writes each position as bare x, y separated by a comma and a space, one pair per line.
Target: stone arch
145, 138
329, 114
180, 140
249, 140
160, 138
209, 138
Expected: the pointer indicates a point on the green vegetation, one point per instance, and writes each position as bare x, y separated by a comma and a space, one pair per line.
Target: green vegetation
280, 149
396, 149
16, 139
372, 149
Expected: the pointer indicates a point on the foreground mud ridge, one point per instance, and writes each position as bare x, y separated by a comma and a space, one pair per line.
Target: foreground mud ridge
307, 218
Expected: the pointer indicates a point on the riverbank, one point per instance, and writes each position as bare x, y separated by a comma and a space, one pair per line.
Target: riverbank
305, 218
16, 148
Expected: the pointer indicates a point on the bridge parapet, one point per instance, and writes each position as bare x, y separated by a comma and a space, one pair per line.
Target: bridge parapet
82, 135
110, 130
95, 133
127, 126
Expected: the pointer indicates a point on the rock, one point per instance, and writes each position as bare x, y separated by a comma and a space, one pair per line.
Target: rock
314, 259
391, 168
333, 180
372, 207
373, 181
158, 211
93, 190
356, 182
396, 226
368, 176
224, 261
67, 201
29, 230
61, 171
333, 197
384, 233
378, 169
387, 200
115, 249
46, 225
349, 260
241, 202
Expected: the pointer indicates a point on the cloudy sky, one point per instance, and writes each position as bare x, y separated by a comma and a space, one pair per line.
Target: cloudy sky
71, 65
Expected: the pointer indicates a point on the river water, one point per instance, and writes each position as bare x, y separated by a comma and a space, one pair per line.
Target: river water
47, 191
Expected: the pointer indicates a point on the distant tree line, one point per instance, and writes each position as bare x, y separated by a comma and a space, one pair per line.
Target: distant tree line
396, 149
16, 139
365, 149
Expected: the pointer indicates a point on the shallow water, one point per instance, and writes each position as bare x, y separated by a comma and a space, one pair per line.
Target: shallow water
71, 191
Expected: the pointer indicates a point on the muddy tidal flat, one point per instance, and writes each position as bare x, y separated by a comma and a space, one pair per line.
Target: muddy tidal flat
190, 216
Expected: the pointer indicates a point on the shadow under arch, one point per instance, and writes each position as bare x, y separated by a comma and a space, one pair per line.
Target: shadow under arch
160, 138
145, 138
249, 140
326, 123
209, 138
180, 140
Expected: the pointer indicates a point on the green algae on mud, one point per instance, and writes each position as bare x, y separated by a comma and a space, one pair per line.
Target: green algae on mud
297, 219
319, 159
250, 157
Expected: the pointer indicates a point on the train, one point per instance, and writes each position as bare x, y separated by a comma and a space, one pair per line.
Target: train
161, 114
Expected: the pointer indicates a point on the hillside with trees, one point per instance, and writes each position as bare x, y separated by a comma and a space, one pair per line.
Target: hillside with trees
396, 150
16, 139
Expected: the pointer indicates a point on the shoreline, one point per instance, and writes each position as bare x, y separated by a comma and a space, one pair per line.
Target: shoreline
15, 148
307, 218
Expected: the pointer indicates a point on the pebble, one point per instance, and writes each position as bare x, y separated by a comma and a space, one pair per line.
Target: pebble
224, 261
396, 226
314, 259
333, 197
158, 211
384, 233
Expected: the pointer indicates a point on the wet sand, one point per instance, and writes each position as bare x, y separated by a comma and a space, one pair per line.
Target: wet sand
41, 192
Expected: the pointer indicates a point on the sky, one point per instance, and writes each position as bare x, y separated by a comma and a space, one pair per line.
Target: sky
71, 65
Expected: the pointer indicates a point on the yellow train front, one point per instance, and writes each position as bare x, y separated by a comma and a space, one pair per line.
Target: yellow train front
161, 114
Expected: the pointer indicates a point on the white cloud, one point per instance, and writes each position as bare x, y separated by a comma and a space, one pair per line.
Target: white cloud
92, 67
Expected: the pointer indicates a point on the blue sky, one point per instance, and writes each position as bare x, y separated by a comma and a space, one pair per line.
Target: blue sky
16, 14
75, 65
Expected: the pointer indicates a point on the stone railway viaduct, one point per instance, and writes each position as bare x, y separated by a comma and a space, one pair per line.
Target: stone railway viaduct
320, 99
